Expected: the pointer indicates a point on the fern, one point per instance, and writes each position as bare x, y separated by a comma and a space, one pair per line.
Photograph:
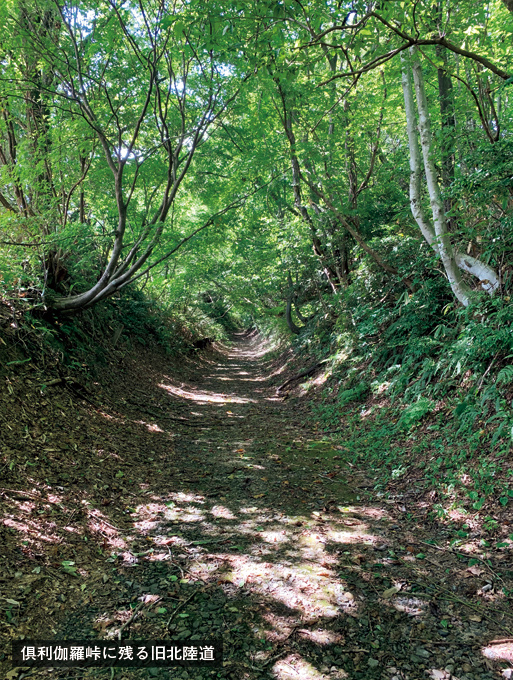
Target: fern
414, 413
505, 375
355, 394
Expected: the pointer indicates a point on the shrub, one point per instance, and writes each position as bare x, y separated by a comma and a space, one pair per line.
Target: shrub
413, 414
354, 394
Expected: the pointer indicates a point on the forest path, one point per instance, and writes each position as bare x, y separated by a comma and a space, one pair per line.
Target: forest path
212, 509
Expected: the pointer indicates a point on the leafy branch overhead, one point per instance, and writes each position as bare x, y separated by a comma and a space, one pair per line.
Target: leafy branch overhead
143, 138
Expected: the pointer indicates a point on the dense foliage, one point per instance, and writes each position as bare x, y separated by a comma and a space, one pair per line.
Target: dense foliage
342, 172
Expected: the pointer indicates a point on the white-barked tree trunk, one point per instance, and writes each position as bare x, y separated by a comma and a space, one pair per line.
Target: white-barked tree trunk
436, 232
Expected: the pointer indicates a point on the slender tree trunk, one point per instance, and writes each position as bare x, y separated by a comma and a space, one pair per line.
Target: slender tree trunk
437, 237
296, 188
299, 315
355, 233
295, 301
43, 23
288, 310
82, 214
445, 249
445, 95
339, 238
415, 158
350, 160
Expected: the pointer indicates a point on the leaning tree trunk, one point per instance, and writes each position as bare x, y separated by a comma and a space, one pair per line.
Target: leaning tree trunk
445, 249
299, 315
437, 237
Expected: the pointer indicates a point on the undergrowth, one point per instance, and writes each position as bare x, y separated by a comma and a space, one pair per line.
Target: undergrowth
420, 388
87, 341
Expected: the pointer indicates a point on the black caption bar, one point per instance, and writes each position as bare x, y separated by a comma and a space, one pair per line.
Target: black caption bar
119, 654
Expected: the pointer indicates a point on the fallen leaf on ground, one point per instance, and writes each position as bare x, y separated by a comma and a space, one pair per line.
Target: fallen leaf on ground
390, 592
472, 571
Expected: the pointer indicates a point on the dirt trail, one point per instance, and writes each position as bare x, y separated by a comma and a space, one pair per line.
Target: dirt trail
206, 506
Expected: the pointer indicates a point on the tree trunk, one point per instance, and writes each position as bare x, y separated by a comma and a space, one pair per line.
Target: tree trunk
42, 23
488, 277
299, 315
415, 158
346, 224
296, 187
287, 121
445, 95
288, 311
438, 237
295, 302
445, 249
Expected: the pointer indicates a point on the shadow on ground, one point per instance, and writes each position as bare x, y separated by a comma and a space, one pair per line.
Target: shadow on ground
204, 506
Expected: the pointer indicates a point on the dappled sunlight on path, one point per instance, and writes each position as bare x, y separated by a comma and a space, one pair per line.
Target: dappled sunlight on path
203, 397
223, 515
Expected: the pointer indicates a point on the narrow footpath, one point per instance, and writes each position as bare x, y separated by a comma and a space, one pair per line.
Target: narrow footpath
200, 503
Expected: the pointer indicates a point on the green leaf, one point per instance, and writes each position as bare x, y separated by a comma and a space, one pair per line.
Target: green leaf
278, 11
178, 29
68, 566
70, 570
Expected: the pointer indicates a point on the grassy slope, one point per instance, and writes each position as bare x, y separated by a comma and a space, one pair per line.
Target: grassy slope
425, 403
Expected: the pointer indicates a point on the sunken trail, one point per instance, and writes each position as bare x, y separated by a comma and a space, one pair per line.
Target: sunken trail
195, 502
